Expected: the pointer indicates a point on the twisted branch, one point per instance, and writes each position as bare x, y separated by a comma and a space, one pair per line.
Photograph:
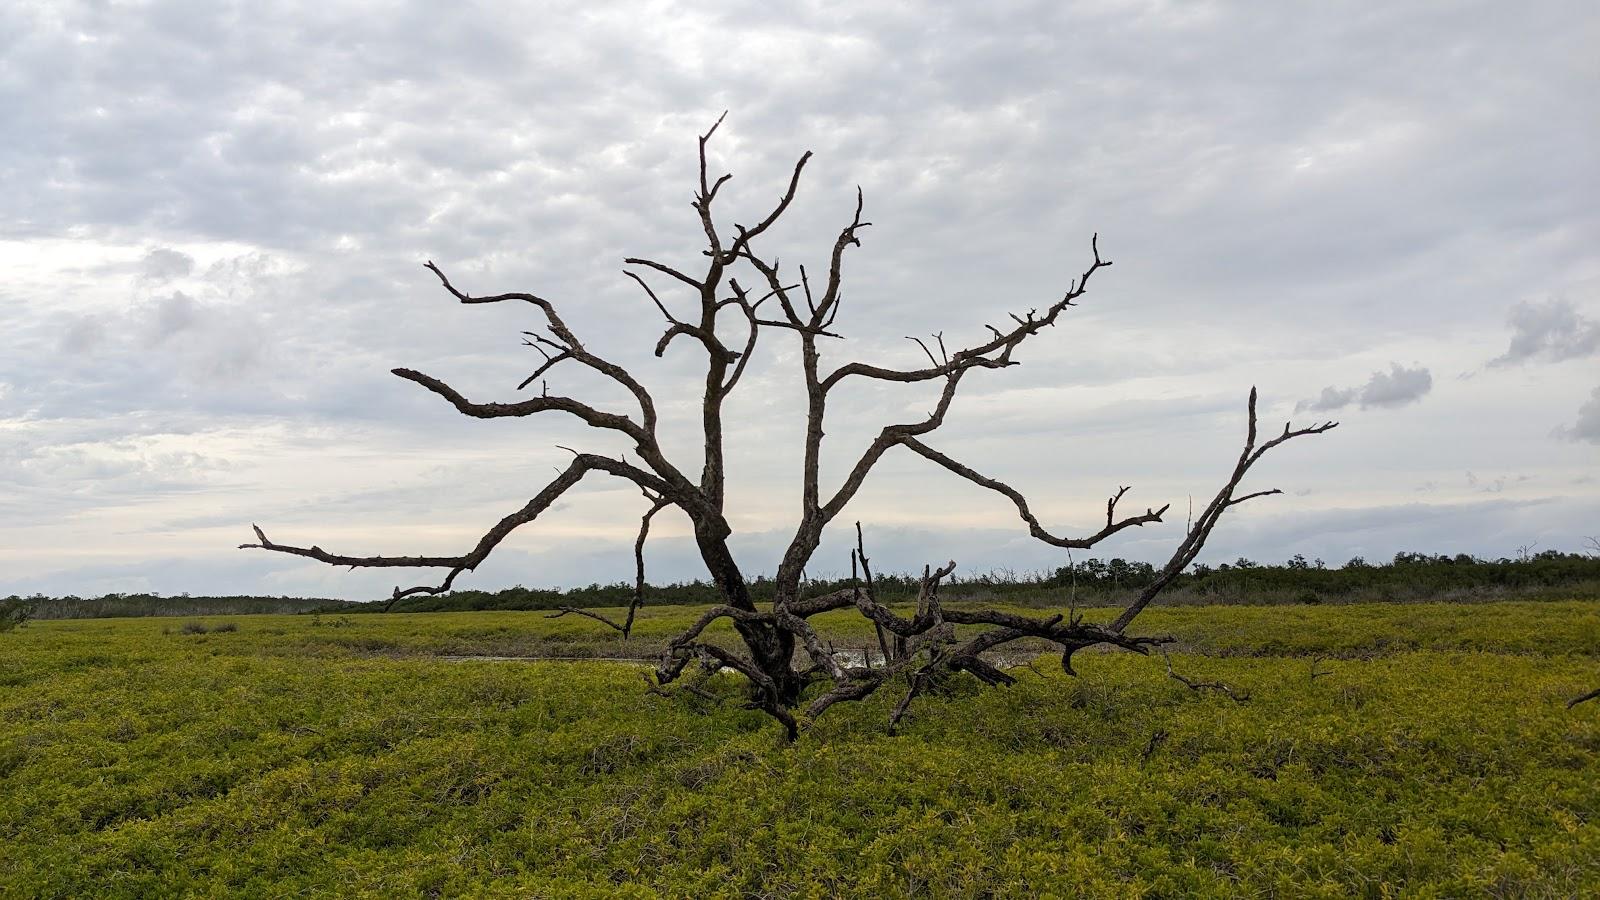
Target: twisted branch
919, 649
580, 466
1112, 526
1200, 530
657, 504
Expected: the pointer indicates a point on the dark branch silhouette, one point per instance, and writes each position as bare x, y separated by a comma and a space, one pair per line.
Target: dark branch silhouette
782, 655
657, 504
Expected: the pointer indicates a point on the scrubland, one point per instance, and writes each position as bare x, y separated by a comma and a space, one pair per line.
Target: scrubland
1386, 750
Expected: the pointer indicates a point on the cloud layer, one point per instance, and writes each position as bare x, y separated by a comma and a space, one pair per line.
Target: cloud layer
216, 219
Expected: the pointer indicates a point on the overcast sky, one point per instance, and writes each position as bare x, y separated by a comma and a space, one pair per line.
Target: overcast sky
216, 214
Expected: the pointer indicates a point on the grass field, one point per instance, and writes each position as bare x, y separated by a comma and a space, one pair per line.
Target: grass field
344, 755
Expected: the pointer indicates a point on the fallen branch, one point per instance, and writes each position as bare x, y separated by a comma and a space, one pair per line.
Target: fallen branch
1199, 686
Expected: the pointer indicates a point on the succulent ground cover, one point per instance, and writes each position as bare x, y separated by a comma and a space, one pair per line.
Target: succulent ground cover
1420, 750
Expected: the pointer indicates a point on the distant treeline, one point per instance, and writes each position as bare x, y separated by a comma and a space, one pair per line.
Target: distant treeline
1092, 582
1409, 576
119, 605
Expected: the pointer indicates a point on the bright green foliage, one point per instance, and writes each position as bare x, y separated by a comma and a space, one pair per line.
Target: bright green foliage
300, 757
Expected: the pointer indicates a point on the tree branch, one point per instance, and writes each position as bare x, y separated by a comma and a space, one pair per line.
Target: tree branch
1583, 698
890, 436
581, 465
1201, 686
664, 269
1112, 526
746, 235
584, 411
979, 355
657, 504
749, 310
568, 342
1196, 537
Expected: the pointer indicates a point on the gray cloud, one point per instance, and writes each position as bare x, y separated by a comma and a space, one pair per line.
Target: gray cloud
1549, 332
82, 334
215, 224
1330, 399
1385, 390
1494, 485
1587, 428
1396, 387
164, 264
170, 315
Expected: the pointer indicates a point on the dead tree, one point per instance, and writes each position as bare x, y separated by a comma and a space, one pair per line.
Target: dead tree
792, 672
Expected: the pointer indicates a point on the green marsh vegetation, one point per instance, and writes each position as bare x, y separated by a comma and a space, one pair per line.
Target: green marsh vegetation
1419, 749
350, 755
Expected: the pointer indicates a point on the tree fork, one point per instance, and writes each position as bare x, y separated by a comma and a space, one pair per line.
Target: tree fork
918, 651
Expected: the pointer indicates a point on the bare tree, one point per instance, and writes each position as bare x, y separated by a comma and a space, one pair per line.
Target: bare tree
783, 656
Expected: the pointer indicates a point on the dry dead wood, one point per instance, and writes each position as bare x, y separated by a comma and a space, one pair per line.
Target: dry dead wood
782, 654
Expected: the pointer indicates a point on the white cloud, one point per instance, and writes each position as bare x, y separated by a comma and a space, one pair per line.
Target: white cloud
215, 225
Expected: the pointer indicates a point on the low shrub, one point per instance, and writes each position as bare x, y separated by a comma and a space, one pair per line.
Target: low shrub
13, 612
